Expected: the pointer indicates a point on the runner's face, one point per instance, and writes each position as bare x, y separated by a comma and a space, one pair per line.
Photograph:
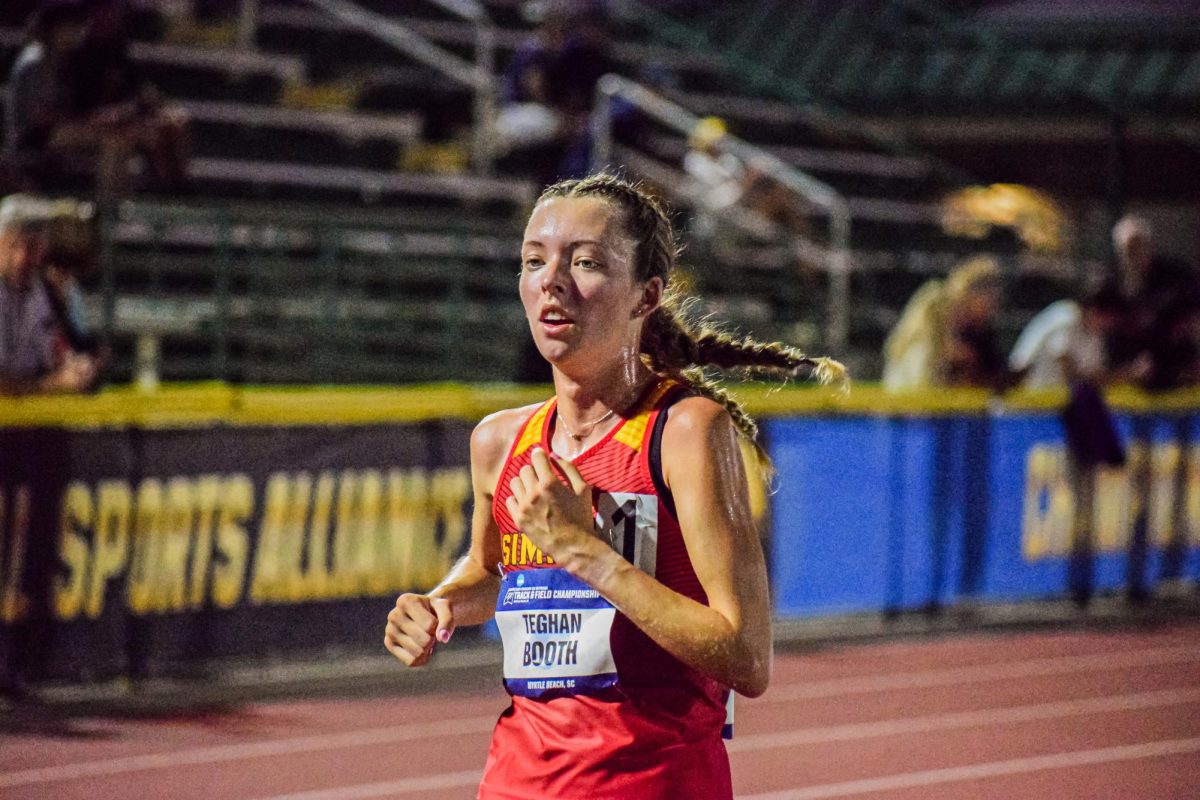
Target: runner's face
577, 282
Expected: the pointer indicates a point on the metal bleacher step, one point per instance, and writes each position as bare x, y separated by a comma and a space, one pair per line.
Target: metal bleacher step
199, 73
348, 125
242, 177
217, 73
328, 138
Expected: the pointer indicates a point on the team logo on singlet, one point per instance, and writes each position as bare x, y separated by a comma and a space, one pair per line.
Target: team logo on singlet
518, 550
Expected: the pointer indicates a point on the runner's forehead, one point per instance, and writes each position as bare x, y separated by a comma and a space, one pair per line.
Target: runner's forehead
574, 220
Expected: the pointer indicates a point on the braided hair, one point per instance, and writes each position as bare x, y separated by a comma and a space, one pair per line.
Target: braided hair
672, 344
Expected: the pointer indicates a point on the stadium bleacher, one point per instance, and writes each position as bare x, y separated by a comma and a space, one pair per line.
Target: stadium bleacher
319, 124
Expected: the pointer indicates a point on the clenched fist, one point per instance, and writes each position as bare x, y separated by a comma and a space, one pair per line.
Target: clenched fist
416, 625
554, 514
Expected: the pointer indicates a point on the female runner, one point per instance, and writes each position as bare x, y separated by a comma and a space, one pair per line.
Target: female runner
612, 538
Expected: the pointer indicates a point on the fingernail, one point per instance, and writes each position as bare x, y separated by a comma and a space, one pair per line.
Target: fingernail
443, 635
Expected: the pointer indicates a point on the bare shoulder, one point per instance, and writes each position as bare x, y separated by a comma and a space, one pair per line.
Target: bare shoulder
703, 466
697, 426
699, 432
495, 433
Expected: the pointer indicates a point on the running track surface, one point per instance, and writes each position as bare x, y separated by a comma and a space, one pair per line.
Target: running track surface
1067, 714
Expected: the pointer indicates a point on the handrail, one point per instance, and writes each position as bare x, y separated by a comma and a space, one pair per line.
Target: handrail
479, 76
811, 189
470, 10
247, 24
401, 38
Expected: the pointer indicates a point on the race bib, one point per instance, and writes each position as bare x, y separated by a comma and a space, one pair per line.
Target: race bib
555, 630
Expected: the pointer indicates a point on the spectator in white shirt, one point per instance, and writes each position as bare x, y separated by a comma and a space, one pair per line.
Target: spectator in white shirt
1065, 342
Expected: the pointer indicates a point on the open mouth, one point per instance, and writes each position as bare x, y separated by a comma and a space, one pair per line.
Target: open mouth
554, 319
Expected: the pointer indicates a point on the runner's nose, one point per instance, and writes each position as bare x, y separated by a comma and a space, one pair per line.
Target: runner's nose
553, 277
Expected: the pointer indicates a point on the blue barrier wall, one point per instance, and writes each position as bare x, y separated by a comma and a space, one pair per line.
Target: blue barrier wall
140, 533
879, 513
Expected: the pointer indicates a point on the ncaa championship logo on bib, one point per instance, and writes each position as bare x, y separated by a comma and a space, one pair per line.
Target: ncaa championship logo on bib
555, 630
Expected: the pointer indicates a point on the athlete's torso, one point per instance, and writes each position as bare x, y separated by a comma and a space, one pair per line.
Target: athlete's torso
657, 735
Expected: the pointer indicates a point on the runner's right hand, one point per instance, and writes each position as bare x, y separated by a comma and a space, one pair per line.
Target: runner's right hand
416, 625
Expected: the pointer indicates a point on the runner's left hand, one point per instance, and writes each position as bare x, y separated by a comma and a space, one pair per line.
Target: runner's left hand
557, 516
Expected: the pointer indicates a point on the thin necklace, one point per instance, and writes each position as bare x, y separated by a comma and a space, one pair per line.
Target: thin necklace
591, 426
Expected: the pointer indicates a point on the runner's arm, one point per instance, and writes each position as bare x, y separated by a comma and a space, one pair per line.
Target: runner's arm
472, 584
730, 638
467, 595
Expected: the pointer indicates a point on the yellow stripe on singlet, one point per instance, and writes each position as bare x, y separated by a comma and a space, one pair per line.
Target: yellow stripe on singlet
532, 434
634, 431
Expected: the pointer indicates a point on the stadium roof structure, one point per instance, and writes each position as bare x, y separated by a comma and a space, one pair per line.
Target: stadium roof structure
990, 57
999, 89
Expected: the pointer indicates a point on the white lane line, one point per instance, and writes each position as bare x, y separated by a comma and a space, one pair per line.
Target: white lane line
980, 673
990, 769
965, 719
809, 736
829, 688
238, 752
426, 783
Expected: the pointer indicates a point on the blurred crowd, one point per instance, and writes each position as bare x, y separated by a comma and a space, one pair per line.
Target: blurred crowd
80, 105
81, 119
548, 89
81, 108
1139, 326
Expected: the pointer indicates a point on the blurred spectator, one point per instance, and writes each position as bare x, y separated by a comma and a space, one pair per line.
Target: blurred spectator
1153, 286
630, 125
548, 91
113, 92
1064, 346
34, 353
77, 95
1148, 278
914, 348
720, 180
40, 98
716, 178
946, 334
530, 130
582, 60
973, 355
1065, 342
70, 256
1173, 348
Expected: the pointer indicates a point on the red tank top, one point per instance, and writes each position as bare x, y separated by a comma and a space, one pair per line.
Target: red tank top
658, 735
